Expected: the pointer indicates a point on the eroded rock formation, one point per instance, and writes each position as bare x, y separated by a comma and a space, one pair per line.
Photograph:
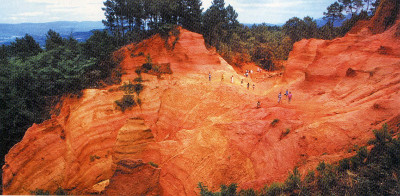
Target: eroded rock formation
191, 130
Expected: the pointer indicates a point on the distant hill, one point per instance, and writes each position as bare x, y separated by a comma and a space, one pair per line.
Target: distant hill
79, 30
267, 24
320, 22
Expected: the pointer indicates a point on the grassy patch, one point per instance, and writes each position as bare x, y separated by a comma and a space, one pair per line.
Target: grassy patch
285, 133
94, 157
126, 102
153, 164
274, 122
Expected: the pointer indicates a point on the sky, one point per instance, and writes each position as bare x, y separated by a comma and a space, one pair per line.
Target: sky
250, 11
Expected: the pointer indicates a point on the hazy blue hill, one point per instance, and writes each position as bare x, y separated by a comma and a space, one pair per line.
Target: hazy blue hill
267, 24
79, 30
321, 22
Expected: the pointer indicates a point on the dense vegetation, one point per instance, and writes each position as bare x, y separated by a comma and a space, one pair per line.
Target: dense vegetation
33, 79
374, 172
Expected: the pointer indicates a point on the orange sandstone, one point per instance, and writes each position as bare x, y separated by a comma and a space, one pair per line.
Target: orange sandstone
190, 130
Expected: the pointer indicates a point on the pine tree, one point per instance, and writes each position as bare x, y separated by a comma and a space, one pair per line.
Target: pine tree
334, 12
214, 20
352, 6
3, 55
25, 47
191, 15
53, 40
294, 28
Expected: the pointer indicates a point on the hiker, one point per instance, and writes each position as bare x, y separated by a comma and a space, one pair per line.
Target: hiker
222, 78
248, 86
254, 86
232, 79
279, 97
286, 93
209, 76
290, 96
241, 83
258, 104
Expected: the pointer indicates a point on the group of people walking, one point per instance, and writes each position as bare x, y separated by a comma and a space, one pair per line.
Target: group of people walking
288, 95
232, 80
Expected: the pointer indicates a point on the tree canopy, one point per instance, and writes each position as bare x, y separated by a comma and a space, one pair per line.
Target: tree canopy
334, 12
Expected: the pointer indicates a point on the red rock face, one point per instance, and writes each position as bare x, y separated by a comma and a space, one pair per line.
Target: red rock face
189, 129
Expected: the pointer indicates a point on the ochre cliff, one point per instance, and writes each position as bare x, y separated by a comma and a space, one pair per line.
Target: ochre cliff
191, 130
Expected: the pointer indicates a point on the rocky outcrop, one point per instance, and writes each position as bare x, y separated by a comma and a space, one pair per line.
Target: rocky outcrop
385, 16
189, 129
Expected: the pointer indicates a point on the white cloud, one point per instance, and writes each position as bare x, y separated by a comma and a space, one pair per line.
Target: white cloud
26, 14
77, 10
41, 1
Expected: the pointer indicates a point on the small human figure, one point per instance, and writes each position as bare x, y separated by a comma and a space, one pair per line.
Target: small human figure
286, 93
254, 86
258, 104
290, 96
279, 97
209, 76
248, 86
251, 71
241, 83
232, 79
222, 77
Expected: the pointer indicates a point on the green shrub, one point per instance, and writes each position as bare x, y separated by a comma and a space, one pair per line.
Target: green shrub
40, 192
60, 191
293, 181
138, 71
284, 133
139, 101
128, 88
274, 122
149, 60
276, 188
147, 67
138, 88
358, 160
126, 102
344, 164
247, 192
153, 164
327, 177
138, 79
94, 157
156, 68
204, 190
310, 177
228, 190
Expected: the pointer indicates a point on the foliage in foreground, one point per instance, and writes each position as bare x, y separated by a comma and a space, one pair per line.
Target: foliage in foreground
367, 173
